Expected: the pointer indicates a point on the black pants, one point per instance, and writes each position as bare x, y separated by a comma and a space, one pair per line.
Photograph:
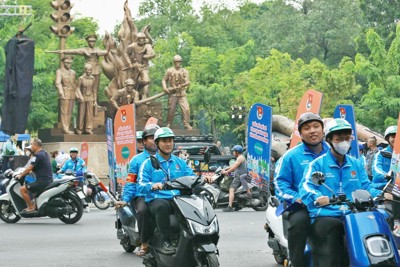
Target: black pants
143, 216
298, 230
161, 209
328, 247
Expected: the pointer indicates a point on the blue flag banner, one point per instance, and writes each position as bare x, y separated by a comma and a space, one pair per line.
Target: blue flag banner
111, 155
259, 141
347, 112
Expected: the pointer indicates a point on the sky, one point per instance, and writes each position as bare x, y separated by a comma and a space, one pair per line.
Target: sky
109, 13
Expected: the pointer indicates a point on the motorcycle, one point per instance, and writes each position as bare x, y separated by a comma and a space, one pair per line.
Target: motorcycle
194, 227
218, 193
94, 193
368, 237
58, 200
127, 228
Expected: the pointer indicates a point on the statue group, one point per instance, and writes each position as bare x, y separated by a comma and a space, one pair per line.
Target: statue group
126, 65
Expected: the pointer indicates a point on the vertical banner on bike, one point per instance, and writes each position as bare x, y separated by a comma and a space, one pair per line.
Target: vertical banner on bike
125, 140
85, 152
311, 102
259, 134
347, 112
111, 156
395, 163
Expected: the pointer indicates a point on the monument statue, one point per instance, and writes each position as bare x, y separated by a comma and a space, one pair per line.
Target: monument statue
137, 55
92, 55
175, 83
87, 101
67, 90
126, 95
128, 57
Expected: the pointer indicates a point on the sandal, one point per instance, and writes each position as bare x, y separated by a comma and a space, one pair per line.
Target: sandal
142, 252
27, 210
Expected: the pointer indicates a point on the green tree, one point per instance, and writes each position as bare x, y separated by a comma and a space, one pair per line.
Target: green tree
381, 71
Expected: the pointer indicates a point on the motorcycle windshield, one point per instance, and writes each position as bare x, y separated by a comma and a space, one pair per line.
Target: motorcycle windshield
195, 208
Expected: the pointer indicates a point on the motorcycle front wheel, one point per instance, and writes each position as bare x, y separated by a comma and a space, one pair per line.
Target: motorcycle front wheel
74, 210
8, 213
211, 260
263, 206
101, 200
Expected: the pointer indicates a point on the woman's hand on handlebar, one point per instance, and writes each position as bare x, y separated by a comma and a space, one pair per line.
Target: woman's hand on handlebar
208, 178
157, 186
388, 196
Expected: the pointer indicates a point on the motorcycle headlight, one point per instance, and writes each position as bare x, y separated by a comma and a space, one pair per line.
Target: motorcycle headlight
379, 246
198, 228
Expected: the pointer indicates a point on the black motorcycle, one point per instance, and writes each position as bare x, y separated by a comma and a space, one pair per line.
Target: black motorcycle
194, 227
218, 193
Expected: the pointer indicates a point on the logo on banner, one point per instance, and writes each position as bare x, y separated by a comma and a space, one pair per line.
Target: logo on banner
123, 115
342, 112
309, 102
259, 113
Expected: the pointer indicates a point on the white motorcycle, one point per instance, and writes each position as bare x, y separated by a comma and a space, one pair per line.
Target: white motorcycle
58, 200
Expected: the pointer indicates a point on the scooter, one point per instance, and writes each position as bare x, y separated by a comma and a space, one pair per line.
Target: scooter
127, 228
58, 200
94, 193
194, 227
367, 234
218, 193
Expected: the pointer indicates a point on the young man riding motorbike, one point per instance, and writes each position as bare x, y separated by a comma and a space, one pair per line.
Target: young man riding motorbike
288, 174
151, 183
130, 193
344, 174
41, 166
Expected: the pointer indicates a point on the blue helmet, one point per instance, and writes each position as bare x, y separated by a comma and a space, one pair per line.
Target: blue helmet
237, 148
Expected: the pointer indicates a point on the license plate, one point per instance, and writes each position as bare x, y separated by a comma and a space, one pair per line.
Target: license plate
81, 195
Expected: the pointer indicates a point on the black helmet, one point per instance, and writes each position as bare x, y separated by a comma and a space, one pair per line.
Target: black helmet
307, 117
150, 130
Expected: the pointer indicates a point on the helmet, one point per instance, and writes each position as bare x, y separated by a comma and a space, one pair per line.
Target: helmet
361, 147
139, 135
73, 149
150, 130
28, 147
140, 35
177, 58
390, 130
336, 125
129, 82
237, 148
307, 117
163, 133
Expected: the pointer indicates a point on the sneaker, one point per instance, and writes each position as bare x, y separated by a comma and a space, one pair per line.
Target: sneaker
396, 230
167, 248
228, 209
87, 210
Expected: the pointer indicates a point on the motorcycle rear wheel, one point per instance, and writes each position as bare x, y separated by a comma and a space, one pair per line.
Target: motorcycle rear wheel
100, 201
127, 246
8, 213
263, 206
75, 210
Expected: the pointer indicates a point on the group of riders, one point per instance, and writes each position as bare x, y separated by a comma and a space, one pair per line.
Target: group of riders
324, 148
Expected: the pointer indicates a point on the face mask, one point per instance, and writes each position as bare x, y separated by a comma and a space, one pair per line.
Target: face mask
28, 153
342, 148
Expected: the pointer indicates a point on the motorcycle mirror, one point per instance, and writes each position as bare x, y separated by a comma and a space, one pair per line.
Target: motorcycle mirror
155, 162
318, 178
207, 155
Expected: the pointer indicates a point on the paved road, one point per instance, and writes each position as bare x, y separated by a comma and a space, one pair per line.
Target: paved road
92, 242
